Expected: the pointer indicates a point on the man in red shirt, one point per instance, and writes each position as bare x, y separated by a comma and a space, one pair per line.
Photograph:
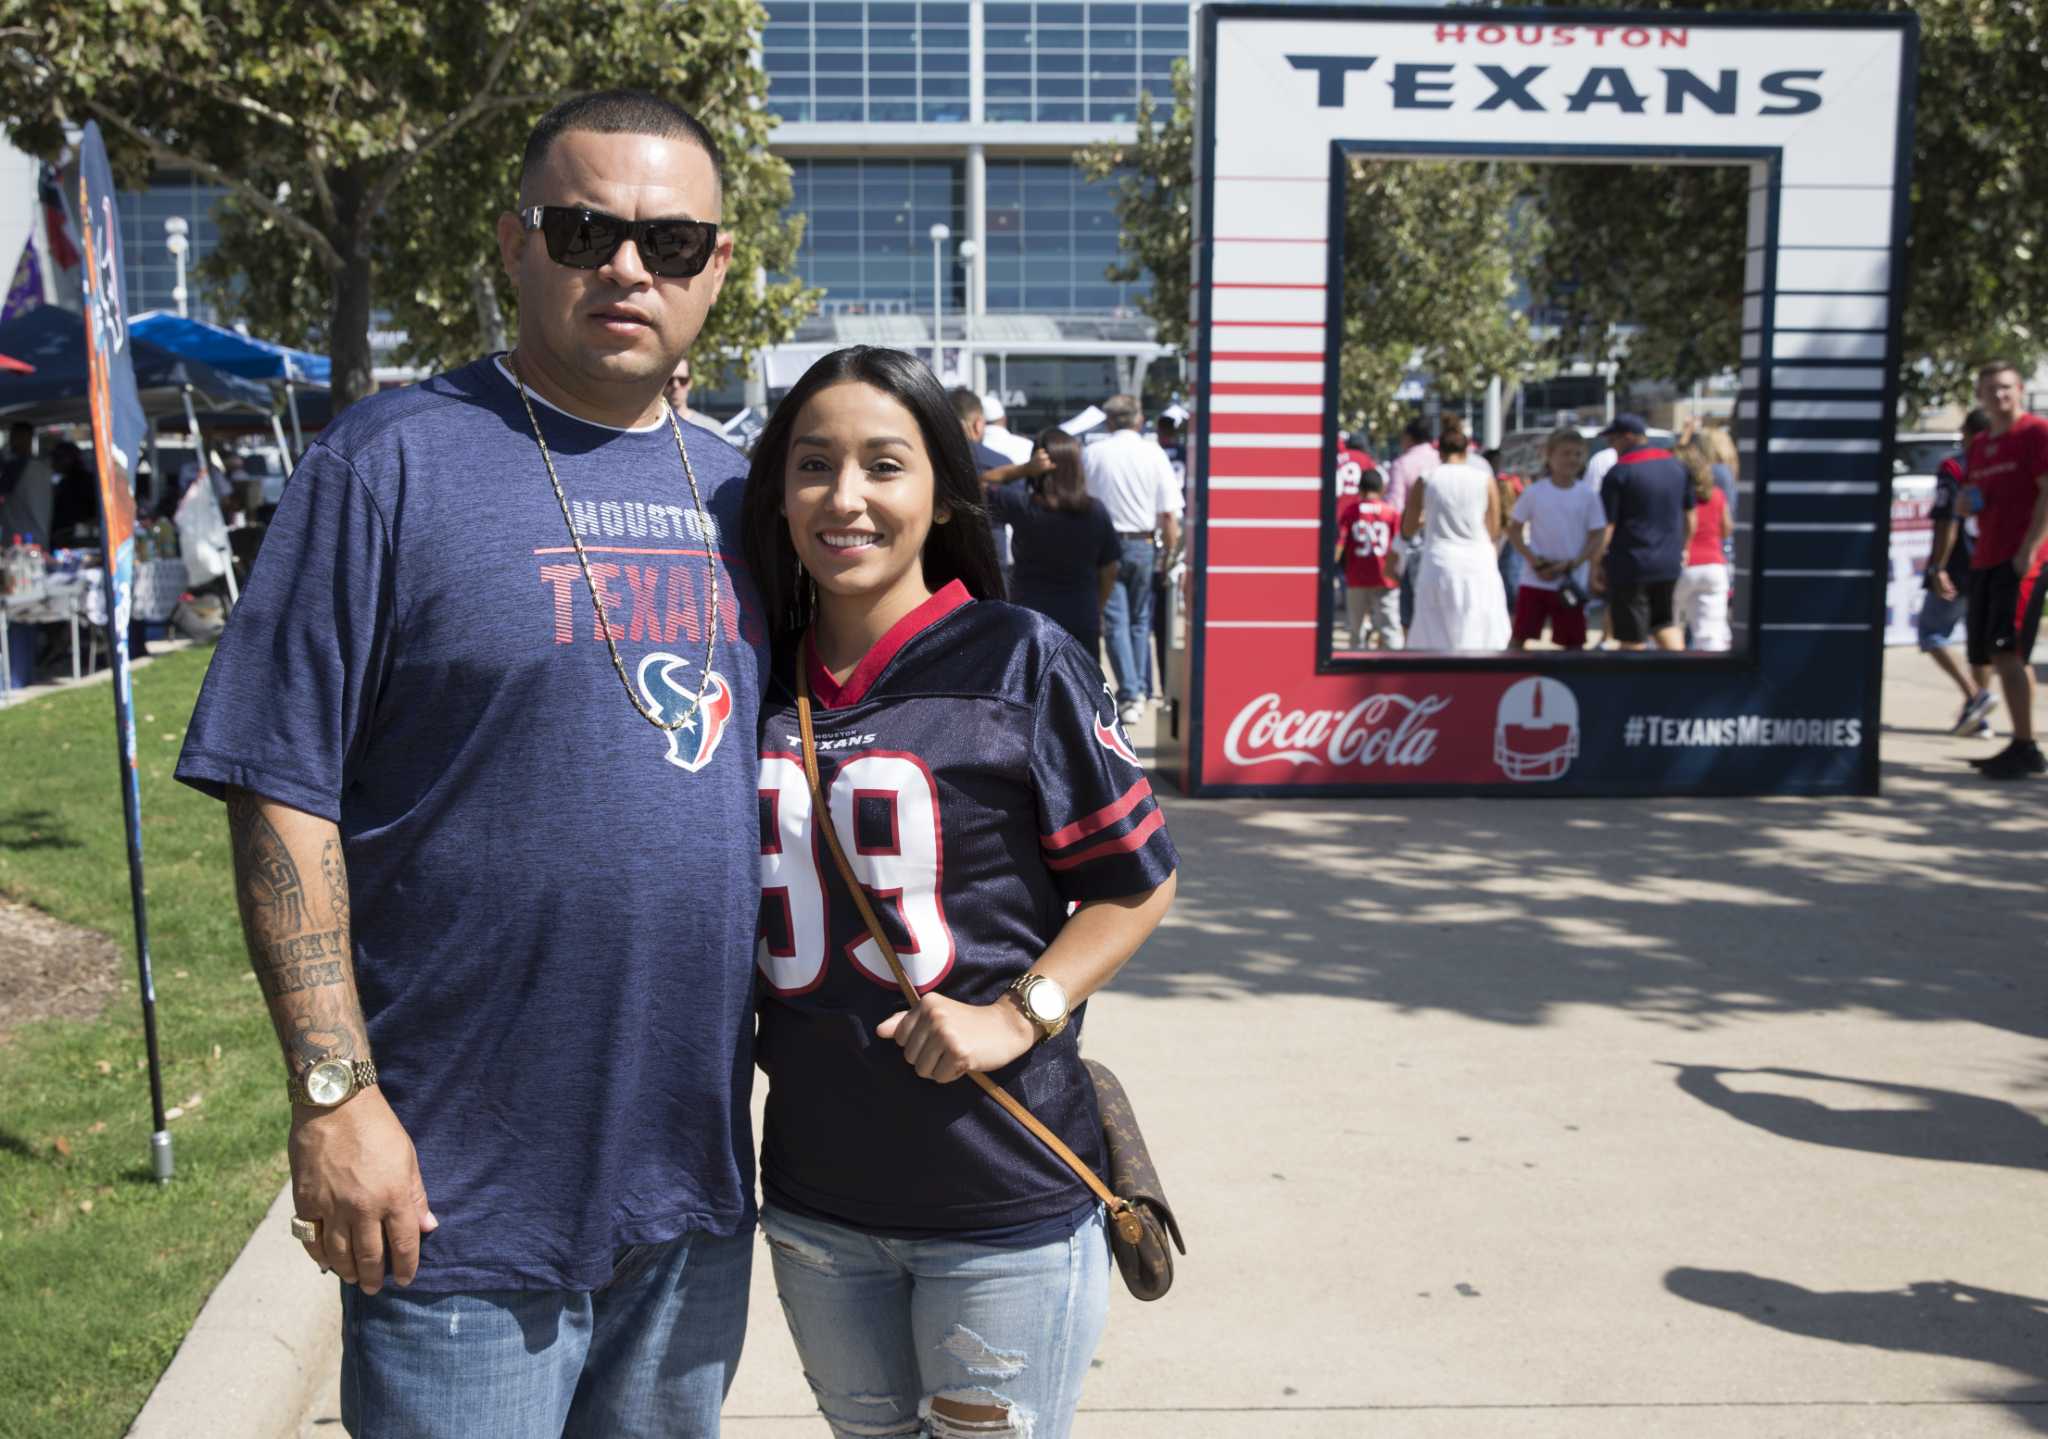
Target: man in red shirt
2007, 490
1366, 524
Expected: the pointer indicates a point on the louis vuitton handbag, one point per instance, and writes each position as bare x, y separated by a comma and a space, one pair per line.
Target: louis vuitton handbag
1140, 1222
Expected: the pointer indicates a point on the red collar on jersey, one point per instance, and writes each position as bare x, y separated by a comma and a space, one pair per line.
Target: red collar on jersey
832, 695
1636, 457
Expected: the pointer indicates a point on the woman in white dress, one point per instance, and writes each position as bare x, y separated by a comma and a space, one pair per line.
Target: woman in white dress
1459, 601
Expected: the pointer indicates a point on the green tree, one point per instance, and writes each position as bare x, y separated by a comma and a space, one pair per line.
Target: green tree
368, 147
1673, 270
1155, 197
1429, 262
1975, 245
1431, 255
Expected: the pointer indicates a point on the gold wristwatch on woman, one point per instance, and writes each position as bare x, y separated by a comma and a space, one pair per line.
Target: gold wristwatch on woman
1043, 1001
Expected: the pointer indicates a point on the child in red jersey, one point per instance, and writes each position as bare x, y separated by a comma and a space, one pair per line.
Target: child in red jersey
1366, 526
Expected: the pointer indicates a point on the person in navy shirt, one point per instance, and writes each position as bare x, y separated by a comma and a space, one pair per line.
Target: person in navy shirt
483, 720
935, 1262
1649, 500
1067, 552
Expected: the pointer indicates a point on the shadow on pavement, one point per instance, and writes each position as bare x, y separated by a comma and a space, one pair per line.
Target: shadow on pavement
1961, 1321
1934, 1124
1686, 911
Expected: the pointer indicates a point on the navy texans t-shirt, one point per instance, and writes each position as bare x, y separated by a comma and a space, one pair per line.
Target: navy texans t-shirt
980, 783
554, 902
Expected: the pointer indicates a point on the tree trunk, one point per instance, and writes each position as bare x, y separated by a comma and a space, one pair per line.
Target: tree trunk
348, 330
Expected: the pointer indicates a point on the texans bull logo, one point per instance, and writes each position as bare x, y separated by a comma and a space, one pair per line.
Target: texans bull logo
1110, 736
691, 746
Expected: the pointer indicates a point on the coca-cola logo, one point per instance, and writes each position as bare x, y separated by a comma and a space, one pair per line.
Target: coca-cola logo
1381, 729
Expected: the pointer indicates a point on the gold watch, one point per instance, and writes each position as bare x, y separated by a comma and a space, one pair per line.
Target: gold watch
331, 1082
1043, 1001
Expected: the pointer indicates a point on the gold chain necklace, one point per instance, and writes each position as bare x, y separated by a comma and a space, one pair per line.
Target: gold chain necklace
604, 624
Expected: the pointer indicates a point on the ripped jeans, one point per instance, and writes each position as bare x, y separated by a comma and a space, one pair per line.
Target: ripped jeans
939, 1338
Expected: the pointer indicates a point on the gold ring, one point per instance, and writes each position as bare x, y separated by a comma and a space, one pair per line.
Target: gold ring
306, 1231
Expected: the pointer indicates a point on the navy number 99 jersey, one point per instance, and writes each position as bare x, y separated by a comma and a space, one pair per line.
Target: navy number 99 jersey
973, 766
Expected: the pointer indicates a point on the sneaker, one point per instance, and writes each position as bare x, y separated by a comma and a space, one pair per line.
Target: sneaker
2018, 760
1976, 714
1132, 711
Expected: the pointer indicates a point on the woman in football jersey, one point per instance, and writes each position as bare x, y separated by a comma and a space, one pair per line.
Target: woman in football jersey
941, 1271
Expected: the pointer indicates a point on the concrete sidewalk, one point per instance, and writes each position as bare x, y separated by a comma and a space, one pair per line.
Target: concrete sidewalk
1553, 1118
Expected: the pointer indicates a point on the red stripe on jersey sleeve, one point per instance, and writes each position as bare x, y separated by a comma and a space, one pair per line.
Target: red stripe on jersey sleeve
1102, 819
1122, 844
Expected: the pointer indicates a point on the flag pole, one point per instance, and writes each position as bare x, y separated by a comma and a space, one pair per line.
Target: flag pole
118, 433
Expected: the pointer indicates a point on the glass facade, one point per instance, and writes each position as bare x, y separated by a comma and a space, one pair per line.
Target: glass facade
1066, 62
852, 61
900, 61
150, 271
1051, 234
867, 241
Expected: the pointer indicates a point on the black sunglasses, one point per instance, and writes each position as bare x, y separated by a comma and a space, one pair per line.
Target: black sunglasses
586, 239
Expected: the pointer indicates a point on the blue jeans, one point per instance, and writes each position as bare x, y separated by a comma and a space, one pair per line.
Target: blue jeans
895, 1333
651, 1353
1939, 618
1127, 622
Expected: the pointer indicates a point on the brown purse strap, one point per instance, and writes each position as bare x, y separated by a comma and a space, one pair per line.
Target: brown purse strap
1127, 1223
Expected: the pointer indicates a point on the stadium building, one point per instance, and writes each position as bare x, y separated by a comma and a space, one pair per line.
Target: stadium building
902, 116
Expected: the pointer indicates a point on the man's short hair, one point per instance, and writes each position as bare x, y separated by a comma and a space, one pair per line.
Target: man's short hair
1121, 412
966, 404
1416, 431
1372, 482
618, 112
1998, 367
1975, 423
1165, 423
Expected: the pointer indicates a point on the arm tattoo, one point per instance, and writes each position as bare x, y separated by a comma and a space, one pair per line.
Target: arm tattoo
323, 1029
272, 894
336, 874
306, 973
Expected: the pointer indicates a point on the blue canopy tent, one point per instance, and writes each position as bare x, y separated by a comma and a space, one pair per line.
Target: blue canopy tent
58, 391
230, 351
53, 340
238, 354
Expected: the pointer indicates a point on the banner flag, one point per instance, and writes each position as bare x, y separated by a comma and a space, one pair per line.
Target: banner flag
27, 290
118, 434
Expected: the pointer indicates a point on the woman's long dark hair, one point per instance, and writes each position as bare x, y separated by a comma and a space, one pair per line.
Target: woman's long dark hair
962, 549
1065, 487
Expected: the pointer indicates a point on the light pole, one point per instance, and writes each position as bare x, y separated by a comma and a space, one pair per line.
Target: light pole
969, 253
175, 229
940, 234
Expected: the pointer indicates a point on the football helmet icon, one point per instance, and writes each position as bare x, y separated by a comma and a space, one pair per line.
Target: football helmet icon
1536, 730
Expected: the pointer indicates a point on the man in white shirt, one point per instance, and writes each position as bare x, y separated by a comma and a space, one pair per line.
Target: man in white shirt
1135, 482
1015, 448
1601, 463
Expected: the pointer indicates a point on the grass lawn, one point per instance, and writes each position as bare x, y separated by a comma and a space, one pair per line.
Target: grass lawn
102, 1270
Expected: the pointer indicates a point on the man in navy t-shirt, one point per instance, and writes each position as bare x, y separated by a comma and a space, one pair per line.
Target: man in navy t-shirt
1649, 502
484, 720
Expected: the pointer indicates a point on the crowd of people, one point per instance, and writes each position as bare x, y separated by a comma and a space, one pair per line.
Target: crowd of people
1090, 531
1447, 553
